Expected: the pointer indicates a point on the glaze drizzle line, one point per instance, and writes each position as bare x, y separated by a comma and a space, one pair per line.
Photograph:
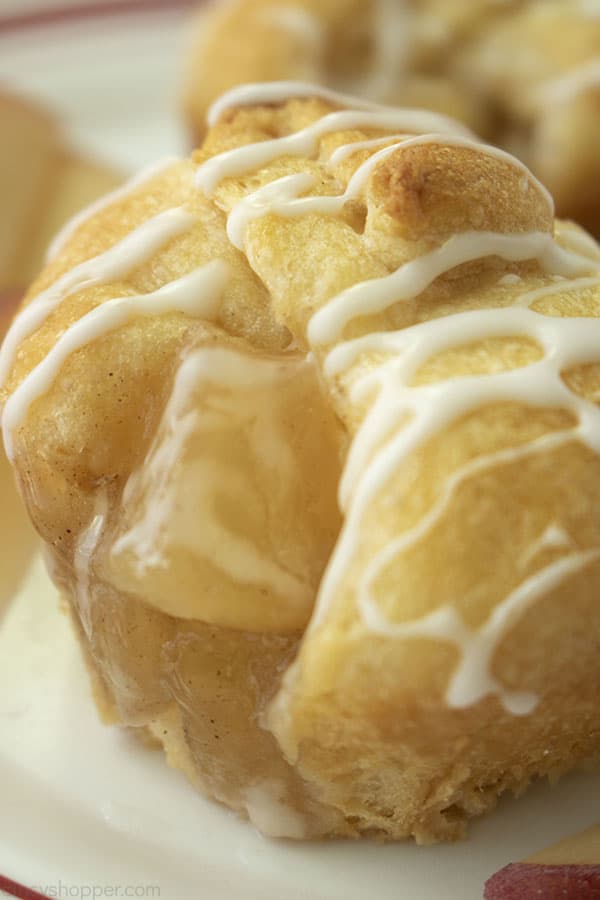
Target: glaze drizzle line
196, 294
115, 263
368, 469
281, 197
120, 193
383, 440
248, 158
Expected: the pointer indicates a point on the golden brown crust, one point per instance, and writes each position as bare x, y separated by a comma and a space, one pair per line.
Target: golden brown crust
436, 766
475, 193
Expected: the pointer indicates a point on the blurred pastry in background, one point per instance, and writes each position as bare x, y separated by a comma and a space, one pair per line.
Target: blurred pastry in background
370, 48
524, 74
539, 68
42, 184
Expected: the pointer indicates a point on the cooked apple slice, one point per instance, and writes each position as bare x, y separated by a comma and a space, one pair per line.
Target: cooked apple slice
569, 870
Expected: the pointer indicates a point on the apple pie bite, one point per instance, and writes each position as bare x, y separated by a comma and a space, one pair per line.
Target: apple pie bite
308, 424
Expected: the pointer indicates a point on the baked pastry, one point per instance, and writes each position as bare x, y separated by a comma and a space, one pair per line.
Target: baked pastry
326, 294
523, 74
384, 50
540, 68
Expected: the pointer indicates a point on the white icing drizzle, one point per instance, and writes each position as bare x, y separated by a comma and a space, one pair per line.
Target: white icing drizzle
566, 341
140, 179
273, 92
412, 536
84, 553
578, 240
553, 537
270, 814
559, 287
280, 197
411, 279
393, 36
385, 439
115, 263
510, 278
144, 538
566, 87
472, 679
401, 416
250, 157
196, 294
433, 406
297, 21
342, 153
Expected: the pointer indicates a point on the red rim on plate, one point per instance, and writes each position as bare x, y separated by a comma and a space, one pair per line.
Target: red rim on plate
78, 11
14, 889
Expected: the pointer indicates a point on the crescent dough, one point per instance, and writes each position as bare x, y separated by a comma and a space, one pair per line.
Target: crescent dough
524, 74
328, 295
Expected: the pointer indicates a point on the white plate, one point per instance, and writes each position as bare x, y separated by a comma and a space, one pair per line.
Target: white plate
85, 805
84, 809
114, 78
